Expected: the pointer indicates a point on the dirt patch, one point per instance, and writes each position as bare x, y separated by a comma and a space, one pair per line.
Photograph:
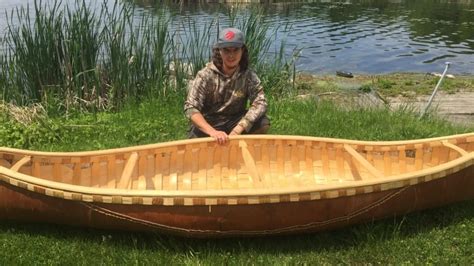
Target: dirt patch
457, 107
454, 100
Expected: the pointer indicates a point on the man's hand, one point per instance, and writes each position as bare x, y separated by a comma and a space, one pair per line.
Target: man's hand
220, 136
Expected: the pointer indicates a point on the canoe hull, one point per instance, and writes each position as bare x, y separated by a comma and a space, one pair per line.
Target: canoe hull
18, 204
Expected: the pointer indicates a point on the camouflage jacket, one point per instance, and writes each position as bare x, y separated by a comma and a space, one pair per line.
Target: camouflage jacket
215, 95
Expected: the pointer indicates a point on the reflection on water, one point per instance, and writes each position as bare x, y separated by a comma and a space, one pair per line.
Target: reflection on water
359, 36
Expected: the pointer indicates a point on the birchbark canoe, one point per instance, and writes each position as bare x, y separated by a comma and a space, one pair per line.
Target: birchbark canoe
254, 185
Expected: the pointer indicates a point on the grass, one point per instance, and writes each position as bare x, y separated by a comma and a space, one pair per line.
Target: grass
158, 120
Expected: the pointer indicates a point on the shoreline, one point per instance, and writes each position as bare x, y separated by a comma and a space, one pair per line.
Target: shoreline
453, 101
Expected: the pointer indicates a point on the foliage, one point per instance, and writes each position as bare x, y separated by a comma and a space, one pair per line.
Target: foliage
101, 57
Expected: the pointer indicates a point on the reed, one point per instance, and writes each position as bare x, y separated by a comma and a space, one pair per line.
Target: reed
192, 49
33, 44
99, 57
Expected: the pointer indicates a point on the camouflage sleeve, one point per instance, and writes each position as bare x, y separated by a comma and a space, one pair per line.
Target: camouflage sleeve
195, 99
258, 102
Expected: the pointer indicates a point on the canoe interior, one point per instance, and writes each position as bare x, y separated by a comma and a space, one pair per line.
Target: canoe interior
242, 164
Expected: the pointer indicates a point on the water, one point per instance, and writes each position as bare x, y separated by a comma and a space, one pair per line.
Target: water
358, 36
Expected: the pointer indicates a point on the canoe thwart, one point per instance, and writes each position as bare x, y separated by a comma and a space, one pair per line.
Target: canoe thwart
125, 179
249, 162
16, 167
454, 147
366, 164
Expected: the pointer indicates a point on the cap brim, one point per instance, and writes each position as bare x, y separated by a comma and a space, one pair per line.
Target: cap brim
228, 45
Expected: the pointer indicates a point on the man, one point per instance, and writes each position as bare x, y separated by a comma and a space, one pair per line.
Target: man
217, 97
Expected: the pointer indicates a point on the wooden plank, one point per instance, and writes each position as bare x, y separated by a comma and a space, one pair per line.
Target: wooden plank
402, 160
173, 174
317, 164
325, 162
111, 171
294, 159
419, 154
256, 151
37, 168
265, 164
179, 169
103, 172
233, 165
5, 163
187, 169
202, 174
353, 170
125, 179
95, 173
217, 169
461, 151
158, 172
309, 170
150, 171
435, 155
210, 168
339, 162
374, 171
194, 167
86, 171
16, 167
387, 159
224, 178
280, 163
140, 181
165, 166
272, 150
76, 171
250, 164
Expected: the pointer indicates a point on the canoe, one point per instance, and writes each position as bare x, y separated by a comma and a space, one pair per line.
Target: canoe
254, 185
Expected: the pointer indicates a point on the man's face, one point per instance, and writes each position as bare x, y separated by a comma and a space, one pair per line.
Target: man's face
231, 56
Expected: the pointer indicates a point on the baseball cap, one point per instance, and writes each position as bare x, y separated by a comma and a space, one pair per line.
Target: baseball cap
230, 37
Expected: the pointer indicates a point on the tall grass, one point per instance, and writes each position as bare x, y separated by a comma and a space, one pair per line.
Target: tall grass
35, 53
102, 56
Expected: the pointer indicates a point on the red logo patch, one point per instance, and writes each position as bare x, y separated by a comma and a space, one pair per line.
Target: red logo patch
229, 35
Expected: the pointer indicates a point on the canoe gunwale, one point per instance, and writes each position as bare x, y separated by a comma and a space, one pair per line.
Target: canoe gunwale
240, 137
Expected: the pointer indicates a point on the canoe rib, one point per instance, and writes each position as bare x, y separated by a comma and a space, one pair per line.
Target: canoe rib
16, 167
362, 161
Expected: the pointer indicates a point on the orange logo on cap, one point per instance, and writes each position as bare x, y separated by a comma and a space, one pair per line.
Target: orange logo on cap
229, 35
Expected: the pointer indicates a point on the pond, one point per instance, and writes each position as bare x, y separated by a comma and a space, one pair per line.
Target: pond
380, 36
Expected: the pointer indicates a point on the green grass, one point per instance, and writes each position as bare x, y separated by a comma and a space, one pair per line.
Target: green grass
158, 120
439, 236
